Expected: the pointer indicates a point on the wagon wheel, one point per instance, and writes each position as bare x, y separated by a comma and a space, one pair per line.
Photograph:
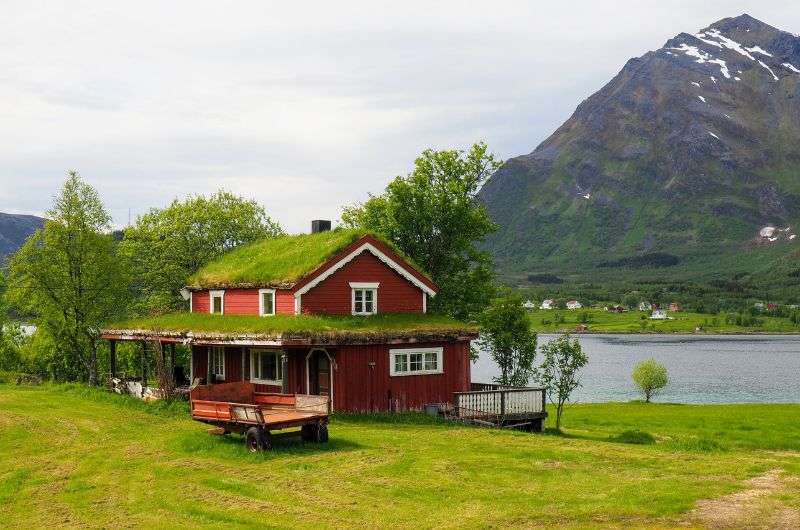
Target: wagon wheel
308, 432
252, 439
266, 440
322, 433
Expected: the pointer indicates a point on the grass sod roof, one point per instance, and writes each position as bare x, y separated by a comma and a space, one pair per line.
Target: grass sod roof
277, 262
300, 328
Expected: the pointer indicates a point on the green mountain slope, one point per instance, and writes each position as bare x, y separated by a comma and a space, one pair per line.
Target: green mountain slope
676, 167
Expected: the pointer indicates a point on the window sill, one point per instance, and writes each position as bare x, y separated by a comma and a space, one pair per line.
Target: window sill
266, 382
418, 372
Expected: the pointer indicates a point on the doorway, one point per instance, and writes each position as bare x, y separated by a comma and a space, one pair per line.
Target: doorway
320, 374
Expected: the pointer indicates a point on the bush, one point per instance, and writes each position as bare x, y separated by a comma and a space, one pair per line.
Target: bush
633, 437
650, 377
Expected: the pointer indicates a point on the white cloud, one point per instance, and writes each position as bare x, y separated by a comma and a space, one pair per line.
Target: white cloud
305, 106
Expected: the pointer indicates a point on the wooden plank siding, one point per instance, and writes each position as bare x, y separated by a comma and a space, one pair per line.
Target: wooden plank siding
334, 294
361, 380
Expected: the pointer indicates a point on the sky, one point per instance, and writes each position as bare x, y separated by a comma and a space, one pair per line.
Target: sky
303, 106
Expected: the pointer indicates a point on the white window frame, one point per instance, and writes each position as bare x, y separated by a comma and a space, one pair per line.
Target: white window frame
261, 293
211, 296
364, 286
257, 352
395, 352
217, 350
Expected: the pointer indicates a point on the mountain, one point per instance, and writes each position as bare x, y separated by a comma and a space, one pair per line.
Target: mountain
688, 161
14, 229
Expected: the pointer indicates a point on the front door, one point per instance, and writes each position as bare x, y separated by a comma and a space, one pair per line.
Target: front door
319, 373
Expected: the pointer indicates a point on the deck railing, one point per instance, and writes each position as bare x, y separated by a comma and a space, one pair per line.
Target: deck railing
499, 402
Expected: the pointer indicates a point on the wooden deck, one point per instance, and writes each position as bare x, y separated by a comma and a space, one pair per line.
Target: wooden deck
497, 406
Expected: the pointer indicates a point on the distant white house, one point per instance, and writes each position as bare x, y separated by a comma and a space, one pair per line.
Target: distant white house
760, 306
645, 306
573, 304
659, 314
529, 305
547, 304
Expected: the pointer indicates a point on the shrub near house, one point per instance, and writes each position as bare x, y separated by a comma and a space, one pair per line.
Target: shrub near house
338, 313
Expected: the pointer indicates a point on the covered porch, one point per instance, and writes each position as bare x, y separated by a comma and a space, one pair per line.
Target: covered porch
271, 368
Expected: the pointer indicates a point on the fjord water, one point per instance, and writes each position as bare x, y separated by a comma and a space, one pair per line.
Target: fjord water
702, 368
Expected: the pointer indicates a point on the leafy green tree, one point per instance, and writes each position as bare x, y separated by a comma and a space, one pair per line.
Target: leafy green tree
562, 360
650, 377
433, 216
168, 245
505, 332
68, 276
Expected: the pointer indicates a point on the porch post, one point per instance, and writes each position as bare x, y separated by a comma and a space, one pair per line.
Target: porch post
112, 358
172, 360
285, 373
209, 368
144, 364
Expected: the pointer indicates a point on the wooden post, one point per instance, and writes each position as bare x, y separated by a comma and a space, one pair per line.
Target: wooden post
242, 373
209, 368
144, 365
285, 373
172, 361
112, 358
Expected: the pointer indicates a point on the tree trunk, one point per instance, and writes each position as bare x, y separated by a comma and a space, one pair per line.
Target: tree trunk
559, 408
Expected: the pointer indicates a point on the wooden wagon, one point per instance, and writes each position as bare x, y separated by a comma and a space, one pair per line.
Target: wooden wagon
237, 407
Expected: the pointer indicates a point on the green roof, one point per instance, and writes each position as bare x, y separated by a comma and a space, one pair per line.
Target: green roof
314, 328
279, 261
275, 262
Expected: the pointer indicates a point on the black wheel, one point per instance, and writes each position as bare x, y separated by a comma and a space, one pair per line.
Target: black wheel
308, 432
252, 439
322, 433
266, 440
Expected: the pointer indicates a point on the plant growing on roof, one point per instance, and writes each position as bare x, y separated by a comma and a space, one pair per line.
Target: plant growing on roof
433, 216
562, 360
650, 377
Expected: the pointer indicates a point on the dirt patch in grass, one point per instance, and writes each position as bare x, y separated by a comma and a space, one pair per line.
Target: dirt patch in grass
754, 507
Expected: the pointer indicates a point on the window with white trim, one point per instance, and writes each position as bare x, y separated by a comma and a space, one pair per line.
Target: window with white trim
365, 298
266, 367
415, 361
266, 302
218, 362
216, 303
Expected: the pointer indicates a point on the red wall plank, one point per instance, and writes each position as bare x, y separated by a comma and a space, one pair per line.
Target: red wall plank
200, 302
334, 296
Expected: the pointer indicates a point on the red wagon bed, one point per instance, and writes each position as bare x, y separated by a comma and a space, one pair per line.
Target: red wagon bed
237, 407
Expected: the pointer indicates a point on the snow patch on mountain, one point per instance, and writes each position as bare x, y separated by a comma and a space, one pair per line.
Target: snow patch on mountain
791, 67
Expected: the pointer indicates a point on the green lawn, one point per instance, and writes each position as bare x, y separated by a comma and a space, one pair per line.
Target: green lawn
601, 321
79, 458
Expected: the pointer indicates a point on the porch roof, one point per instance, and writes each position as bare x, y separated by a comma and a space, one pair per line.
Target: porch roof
204, 328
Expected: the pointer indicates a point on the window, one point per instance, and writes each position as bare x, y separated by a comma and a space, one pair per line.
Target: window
216, 304
365, 298
266, 302
415, 361
266, 367
218, 362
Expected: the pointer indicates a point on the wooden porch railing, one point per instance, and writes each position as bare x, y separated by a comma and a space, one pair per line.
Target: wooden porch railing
499, 402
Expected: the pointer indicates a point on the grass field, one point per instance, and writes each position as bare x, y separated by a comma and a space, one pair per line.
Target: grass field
73, 457
600, 321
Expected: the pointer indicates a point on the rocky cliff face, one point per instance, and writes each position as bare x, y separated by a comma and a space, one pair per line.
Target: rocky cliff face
691, 149
14, 229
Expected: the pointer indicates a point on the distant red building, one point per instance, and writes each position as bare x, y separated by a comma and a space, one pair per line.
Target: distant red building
675, 307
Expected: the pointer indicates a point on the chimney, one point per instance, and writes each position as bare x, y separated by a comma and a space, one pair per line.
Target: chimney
320, 225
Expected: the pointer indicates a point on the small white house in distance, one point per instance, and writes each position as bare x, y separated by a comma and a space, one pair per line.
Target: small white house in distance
547, 304
573, 304
645, 306
530, 306
659, 314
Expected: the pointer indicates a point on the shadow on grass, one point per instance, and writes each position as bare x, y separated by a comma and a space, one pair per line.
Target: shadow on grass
232, 445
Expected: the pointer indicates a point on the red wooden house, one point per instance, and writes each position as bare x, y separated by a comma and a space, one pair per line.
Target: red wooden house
338, 313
